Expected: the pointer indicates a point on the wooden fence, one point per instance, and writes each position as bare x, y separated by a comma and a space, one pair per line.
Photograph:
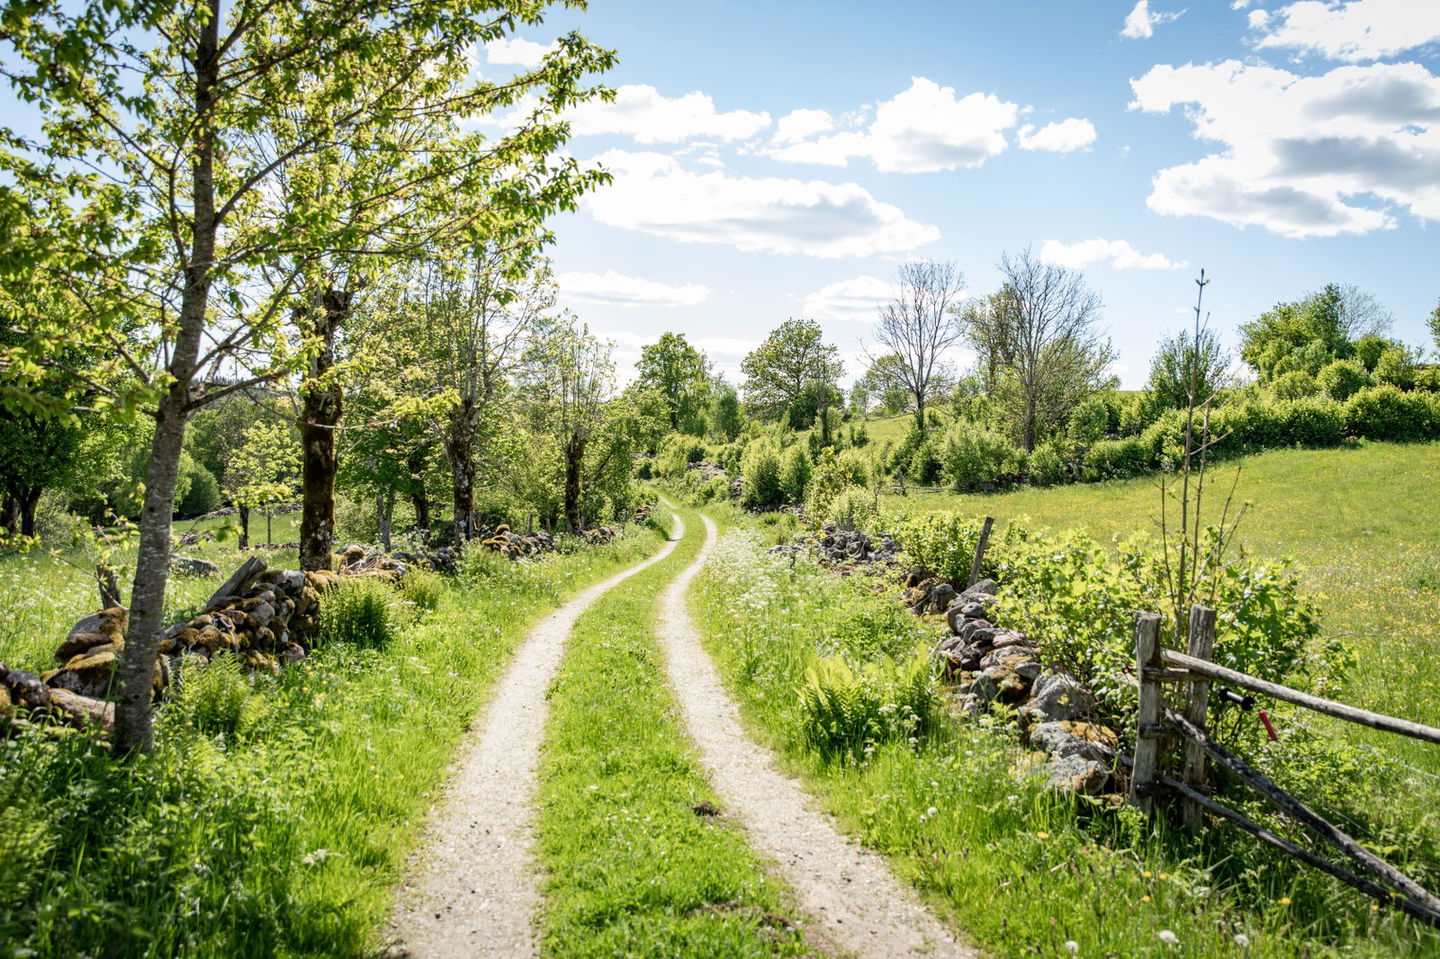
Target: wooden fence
1194, 673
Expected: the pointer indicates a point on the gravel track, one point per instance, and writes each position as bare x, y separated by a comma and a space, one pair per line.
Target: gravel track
853, 902
473, 888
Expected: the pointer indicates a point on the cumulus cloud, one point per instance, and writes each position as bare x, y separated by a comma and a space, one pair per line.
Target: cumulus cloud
642, 112
1141, 21
653, 193
1354, 31
616, 289
1118, 253
1323, 155
516, 51
855, 299
797, 125
1061, 136
924, 129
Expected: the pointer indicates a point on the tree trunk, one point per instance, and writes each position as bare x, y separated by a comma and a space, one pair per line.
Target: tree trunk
920, 412
319, 417
9, 514
270, 536
421, 502
460, 445
133, 729
244, 527
29, 498
384, 507
574, 457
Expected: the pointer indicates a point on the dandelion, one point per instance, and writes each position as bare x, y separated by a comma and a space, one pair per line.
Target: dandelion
1149, 874
1242, 940
931, 811
1145, 898
1168, 937
1284, 900
1072, 947
1042, 836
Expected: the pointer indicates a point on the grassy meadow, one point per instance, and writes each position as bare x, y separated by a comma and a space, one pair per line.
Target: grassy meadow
1030, 873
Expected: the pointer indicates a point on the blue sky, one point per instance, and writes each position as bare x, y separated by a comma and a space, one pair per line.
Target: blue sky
781, 159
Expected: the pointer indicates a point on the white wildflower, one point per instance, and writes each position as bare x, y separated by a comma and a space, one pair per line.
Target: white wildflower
1168, 937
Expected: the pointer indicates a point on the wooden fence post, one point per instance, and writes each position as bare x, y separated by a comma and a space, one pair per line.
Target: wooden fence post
1148, 731
1202, 644
980, 551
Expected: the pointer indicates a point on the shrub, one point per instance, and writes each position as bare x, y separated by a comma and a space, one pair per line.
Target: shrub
1115, 459
974, 455
1369, 349
1427, 378
925, 466
1396, 367
1312, 421
855, 467
845, 710
202, 494
1164, 439
1089, 421
1385, 413
854, 508
944, 544
760, 468
1247, 427
423, 588
795, 474
677, 451
1343, 379
1293, 385
362, 611
1048, 466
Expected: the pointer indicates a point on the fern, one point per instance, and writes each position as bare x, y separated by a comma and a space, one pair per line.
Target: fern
845, 711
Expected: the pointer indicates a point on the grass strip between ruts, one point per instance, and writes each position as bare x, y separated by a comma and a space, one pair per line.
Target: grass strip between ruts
632, 868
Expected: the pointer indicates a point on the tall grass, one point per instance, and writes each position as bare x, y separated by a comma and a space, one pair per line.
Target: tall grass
283, 831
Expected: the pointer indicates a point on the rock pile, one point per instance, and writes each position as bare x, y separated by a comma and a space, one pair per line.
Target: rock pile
707, 471
844, 548
514, 545
441, 560
991, 664
642, 514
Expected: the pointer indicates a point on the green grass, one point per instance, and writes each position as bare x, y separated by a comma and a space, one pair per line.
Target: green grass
287, 836
1020, 870
631, 868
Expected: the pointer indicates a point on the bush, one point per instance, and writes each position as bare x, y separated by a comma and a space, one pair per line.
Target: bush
1293, 385
943, 544
854, 508
1312, 422
677, 451
1116, 459
362, 611
202, 493
1164, 439
55, 526
795, 474
974, 455
1343, 379
1385, 413
1089, 421
1396, 367
846, 711
1048, 465
925, 466
760, 468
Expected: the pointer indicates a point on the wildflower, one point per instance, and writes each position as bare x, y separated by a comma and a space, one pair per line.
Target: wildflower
1148, 874
1242, 940
1145, 898
1072, 947
1042, 836
931, 811
1168, 937
1284, 900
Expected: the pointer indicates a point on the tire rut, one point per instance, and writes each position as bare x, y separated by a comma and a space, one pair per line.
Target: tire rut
473, 888
853, 901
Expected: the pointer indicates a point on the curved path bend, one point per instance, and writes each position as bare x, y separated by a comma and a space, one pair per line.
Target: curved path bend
474, 889
854, 902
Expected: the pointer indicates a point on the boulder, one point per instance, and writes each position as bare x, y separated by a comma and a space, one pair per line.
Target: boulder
1057, 697
999, 683
97, 629
1064, 739
1076, 774
193, 566
914, 576
982, 591
352, 554
1024, 661
937, 599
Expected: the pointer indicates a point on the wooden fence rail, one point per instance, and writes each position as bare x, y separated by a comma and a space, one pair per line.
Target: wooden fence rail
1157, 721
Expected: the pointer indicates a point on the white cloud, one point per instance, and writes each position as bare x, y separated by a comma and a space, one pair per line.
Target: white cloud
924, 129
1258, 19
1141, 21
642, 112
855, 299
653, 193
1323, 155
1118, 253
615, 289
516, 51
1061, 136
800, 124
1353, 31
1239, 4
